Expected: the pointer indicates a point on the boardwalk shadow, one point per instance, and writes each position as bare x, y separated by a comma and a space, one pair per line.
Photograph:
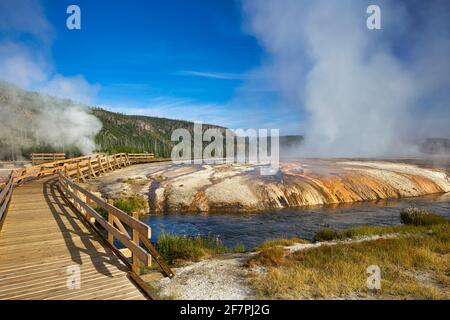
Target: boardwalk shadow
71, 224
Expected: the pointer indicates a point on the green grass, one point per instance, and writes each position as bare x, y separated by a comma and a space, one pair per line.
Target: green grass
327, 234
411, 218
132, 204
281, 242
420, 217
102, 212
239, 248
414, 265
175, 247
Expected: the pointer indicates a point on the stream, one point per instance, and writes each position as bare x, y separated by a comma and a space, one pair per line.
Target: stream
252, 229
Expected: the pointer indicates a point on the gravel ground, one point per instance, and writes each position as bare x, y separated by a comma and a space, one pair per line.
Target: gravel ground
211, 279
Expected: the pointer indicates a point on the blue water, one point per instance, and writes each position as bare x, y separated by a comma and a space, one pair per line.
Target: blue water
253, 229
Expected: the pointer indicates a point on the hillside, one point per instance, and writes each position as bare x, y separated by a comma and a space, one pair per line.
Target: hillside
34, 122
131, 133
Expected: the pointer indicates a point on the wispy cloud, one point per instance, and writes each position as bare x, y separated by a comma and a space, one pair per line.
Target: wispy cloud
25, 16
29, 64
226, 115
213, 75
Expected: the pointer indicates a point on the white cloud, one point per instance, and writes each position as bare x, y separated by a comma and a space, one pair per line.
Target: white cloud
75, 88
17, 65
28, 64
25, 17
213, 75
175, 108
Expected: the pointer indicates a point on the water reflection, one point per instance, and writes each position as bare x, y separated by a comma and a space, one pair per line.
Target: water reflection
253, 229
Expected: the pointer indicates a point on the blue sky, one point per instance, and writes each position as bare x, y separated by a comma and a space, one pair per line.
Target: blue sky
189, 50
177, 59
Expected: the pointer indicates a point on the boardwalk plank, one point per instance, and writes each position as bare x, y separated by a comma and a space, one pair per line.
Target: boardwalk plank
41, 237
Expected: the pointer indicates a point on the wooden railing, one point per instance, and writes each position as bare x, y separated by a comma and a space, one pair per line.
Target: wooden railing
140, 157
115, 225
39, 158
80, 169
5, 197
94, 166
76, 168
47, 168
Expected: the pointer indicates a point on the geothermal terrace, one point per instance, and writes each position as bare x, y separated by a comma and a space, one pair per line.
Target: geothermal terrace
302, 182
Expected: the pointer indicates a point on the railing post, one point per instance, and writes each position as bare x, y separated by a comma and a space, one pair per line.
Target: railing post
108, 163
116, 163
80, 173
111, 221
135, 238
100, 164
91, 170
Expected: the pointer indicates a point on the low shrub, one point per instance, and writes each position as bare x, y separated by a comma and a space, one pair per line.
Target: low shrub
327, 234
175, 247
102, 212
239, 248
132, 204
420, 217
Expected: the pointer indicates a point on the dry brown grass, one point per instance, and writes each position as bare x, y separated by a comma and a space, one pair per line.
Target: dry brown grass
414, 266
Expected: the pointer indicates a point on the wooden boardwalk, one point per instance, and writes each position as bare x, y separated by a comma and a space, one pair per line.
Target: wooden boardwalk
42, 237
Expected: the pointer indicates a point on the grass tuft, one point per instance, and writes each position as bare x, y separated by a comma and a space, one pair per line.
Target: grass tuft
175, 247
269, 257
327, 234
280, 242
420, 217
239, 248
132, 204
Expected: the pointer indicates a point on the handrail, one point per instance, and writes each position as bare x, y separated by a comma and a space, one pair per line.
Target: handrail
140, 157
89, 167
23, 171
84, 167
141, 227
114, 226
92, 164
39, 158
5, 197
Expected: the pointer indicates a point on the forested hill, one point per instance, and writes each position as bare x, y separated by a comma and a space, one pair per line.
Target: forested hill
35, 122
131, 133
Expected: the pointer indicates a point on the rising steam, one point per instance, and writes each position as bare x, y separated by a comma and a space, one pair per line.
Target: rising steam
27, 119
366, 93
31, 119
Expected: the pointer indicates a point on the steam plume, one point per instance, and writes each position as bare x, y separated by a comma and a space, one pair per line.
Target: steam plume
366, 92
31, 119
